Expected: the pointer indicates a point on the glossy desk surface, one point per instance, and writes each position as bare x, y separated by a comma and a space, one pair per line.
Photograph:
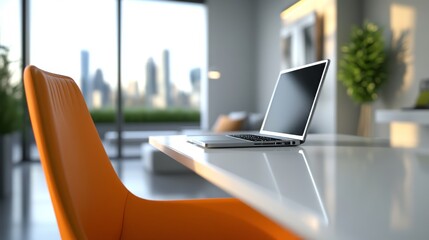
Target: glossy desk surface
337, 190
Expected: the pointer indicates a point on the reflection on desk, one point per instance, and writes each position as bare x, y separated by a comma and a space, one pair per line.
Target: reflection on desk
328, 192
285, 173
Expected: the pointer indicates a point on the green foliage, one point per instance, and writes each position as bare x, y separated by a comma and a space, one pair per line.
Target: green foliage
10, 97
103, 115
144, 115
362, 68
423, 100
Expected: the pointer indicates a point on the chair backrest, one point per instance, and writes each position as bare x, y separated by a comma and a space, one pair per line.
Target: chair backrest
88, 197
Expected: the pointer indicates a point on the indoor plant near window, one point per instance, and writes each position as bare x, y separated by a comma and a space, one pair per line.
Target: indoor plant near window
362, 70
10, 119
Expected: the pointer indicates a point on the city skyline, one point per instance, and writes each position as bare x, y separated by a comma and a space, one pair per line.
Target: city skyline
148, 28
154, 89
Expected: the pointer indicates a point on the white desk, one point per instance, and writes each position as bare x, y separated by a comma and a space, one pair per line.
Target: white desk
321, 191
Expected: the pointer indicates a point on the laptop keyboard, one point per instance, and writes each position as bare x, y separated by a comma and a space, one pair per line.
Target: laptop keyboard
254, 138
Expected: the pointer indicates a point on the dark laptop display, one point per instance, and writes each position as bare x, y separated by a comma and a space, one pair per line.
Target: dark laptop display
293, 100
288, 114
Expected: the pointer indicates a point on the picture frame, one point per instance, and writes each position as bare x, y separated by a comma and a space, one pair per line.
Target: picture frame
301, 41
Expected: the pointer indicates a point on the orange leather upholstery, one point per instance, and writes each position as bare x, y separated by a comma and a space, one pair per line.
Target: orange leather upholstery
90, 201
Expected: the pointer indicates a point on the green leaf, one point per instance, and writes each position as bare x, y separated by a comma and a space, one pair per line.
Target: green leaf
362, 67
10, 97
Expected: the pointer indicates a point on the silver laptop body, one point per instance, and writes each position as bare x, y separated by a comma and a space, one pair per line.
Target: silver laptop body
288, 115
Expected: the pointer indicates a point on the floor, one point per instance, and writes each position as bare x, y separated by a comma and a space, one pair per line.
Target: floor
28, 213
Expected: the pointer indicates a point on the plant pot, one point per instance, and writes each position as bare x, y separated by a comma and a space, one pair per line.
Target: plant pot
365, 120
5, 165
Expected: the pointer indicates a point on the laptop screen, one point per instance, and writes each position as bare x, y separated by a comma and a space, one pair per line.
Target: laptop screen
293, 100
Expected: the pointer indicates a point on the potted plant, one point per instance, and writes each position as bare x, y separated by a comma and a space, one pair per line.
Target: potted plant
362, 70
10, 119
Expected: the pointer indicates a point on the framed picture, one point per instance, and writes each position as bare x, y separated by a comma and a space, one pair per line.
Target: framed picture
301, 41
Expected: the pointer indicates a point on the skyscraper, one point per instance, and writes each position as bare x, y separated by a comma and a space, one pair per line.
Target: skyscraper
166, 75
195, 76
151, 88
100, 85
85, 85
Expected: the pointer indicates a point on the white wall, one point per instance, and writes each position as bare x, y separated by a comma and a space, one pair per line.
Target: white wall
409, 17
349, 14
232, 40
269, 58
268, 47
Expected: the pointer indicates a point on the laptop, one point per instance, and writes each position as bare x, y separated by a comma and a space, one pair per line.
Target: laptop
288, 115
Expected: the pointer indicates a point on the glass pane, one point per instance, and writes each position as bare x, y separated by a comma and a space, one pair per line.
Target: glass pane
78, 38
10, 38
10, 35
163, 55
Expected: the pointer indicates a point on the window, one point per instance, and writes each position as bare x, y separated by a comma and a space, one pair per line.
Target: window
10, 35
163, 50
78, 38
163, 54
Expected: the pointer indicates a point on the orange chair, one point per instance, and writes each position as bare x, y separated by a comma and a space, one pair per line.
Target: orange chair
90, 201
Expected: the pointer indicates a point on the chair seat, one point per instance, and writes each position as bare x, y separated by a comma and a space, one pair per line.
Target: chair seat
224, 218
